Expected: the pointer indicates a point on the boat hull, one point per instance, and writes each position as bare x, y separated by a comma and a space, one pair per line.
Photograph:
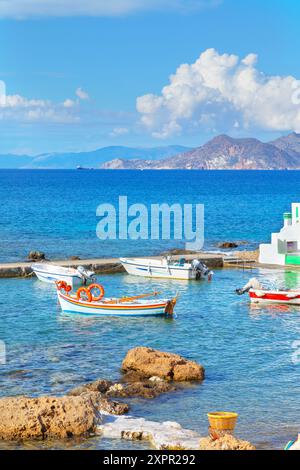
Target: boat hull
158, 270
73, 281
71, 305
274, 297
51, 273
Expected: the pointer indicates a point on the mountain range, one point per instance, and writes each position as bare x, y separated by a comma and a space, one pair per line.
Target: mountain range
221, 152
93, 159
224, 152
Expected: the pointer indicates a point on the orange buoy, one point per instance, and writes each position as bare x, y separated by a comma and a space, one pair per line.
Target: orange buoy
61, 285
99, 288
84, 290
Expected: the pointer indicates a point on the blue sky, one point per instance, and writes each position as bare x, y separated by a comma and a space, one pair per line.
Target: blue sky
97, 78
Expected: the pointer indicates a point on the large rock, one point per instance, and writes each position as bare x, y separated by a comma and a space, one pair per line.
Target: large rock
228, 245
150, 362
98, 393
227, 442
36, 255
47, 417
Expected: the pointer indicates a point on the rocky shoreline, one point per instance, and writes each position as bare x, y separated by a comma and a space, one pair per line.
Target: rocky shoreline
92, 409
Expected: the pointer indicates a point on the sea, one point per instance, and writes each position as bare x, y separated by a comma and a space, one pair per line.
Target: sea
251, 354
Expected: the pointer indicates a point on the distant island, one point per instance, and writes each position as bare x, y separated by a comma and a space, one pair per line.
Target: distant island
93, 159
220, 153
225, 153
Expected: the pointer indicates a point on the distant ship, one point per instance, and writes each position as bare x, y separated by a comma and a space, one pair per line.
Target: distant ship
79, 167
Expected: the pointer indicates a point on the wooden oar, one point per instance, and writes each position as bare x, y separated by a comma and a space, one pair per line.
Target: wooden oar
136, 297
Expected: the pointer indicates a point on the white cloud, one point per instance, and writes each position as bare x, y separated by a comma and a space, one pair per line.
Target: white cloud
68, 103
17, 101
119, 131
21, 9
82, 95
217, 92
22, 109
19, 109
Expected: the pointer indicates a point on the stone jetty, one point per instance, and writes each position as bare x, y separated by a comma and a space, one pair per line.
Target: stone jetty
98, 265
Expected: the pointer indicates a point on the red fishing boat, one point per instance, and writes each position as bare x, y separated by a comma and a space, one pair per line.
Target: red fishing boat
260, 295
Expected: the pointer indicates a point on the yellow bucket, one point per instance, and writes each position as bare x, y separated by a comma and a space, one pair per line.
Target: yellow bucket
222, 420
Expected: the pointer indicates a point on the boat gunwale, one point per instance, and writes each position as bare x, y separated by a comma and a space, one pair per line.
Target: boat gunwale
185, 267
116, 306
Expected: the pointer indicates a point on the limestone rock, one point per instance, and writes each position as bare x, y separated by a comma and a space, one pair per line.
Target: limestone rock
227, 245
100, 385
150, 362
227, 442
136, 386
47, 417
145, 389
100, 399
113, 407
36, 255
116, 388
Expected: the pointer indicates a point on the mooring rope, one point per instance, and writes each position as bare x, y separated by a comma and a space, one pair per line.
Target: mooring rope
28, 275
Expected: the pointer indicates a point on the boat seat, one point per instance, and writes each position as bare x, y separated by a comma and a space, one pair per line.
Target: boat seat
181, 262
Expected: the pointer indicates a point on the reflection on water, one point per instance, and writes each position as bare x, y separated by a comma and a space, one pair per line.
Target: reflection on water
273, 309
246, 350
279, 278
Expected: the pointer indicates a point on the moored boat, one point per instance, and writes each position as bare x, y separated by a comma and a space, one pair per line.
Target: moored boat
261, 295
51, 273
86, 303
166, 268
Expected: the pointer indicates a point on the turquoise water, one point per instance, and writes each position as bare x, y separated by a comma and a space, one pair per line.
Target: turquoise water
55, 211
247, 352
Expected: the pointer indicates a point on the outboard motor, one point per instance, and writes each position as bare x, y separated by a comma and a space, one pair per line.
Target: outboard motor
201, 270
85, 274
252, 284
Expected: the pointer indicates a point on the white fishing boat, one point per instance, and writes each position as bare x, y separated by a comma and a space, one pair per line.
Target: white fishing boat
51, 273
263, 295
166, 268
85, 302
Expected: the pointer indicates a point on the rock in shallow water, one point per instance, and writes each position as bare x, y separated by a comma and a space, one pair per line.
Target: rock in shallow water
227, 245
145, 389
47, 417
150, 362
227, 442
100, 385
36, 256
133, 385
101, 400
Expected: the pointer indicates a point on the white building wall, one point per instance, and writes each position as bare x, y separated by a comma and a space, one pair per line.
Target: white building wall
268, 254
275, 252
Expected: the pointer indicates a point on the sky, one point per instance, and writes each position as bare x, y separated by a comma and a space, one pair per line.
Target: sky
83, 74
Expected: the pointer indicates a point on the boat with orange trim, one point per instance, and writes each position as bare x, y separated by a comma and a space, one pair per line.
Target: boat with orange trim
262, 295
85, 302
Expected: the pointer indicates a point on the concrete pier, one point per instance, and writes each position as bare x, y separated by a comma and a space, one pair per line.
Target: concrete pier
99, 266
